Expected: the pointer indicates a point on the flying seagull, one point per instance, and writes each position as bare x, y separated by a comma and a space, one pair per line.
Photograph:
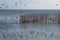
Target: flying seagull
2, 4
20, 2
56, 4
24, 5
15, 4
6, 6
0, 7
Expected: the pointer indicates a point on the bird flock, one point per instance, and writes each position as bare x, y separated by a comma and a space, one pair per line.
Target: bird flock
5, 5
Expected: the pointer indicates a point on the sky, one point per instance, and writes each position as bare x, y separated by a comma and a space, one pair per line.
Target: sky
29, 4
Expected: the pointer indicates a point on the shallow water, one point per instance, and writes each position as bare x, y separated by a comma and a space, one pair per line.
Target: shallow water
11, 29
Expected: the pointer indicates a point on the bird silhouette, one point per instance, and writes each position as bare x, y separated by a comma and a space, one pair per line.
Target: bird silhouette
15, 4
0, 7
2, 4
56, 4
6, 6
20, 2
24, 5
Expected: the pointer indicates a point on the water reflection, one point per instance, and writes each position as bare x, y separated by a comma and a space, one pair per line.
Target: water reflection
31, 30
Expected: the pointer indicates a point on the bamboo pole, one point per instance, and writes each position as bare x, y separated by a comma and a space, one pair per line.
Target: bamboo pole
42, 18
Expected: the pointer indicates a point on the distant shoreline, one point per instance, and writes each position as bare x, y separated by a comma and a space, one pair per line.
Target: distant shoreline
33, 9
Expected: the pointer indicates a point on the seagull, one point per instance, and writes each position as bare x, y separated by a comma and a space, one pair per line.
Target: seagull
15, 4
6, 6
20, 2
24, 5
2, 4
56, 4
0, 7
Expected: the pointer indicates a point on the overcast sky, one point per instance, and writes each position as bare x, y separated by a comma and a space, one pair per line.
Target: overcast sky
29, 4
